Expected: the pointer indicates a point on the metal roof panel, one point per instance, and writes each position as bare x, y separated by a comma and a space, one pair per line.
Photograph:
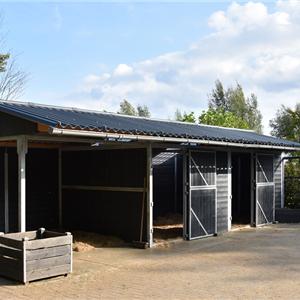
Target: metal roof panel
62, 117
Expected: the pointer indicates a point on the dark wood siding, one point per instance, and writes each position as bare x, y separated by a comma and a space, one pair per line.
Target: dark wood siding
277, 179
106, 212
167, 187
10, 125
2, 222
222, 191
41, 189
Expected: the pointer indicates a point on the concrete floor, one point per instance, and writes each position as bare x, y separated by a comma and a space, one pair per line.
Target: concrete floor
261, 263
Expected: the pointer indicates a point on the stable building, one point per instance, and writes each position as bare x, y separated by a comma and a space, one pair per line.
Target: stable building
114, 174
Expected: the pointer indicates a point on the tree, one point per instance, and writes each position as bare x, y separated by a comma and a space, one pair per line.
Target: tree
219, 117
126, 108
253, 115
217, 97
189, 117
12, 81
234, 100
143, 111
185, 117
3, 61
286, 123
178, 115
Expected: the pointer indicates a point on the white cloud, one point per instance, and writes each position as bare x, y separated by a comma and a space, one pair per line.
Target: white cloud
249, 44
122, 70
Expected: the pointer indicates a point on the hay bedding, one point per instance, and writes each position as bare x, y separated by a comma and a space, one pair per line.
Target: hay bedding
86, 241
170, 220
168, 227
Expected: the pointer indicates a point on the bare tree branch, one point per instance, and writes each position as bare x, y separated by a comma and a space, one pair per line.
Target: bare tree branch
12, 81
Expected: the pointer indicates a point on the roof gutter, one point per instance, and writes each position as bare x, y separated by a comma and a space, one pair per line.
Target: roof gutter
144, 138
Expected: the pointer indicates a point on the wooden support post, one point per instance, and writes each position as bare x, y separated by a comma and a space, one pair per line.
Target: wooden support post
22, 151
175, 183
6, 203
282, 162
184, 195
253, 190
60, 219
149, 196
229, 173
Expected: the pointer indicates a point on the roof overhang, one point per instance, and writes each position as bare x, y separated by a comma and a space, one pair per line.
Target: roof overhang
144, 138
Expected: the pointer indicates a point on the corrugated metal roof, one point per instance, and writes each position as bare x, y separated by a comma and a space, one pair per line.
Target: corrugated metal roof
71, 118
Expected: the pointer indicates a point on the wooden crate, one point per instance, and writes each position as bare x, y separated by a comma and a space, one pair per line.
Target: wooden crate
34, 255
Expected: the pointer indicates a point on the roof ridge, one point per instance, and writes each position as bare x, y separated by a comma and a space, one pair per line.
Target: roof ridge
122, 115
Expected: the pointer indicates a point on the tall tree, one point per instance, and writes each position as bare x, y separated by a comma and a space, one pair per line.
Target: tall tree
126, 108
178, 115
217, 97
143, 111
185, 117
12, 79
286, 123
234, 100
219, 117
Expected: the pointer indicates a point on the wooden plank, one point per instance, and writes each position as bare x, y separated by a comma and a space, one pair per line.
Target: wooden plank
104, 188
14, 253
48, 272
49, 242
42, 128
20, 235
11, 242
48, 252
48, 262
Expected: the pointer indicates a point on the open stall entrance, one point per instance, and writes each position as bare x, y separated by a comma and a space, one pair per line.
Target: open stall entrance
103, 192
241, 190
167, 195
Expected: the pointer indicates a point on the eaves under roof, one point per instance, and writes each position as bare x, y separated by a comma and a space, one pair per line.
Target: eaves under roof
78, 120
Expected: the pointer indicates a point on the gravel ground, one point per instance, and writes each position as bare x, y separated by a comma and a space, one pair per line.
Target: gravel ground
261, 263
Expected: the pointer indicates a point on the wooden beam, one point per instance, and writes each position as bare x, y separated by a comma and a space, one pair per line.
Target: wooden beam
32, 145
104, 188
42, 128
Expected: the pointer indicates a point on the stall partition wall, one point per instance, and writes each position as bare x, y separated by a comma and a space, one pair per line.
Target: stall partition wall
41, 189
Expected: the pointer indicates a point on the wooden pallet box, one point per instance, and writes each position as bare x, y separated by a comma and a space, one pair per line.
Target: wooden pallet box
34, 255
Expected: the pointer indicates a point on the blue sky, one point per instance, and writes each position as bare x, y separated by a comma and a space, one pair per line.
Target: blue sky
165, 55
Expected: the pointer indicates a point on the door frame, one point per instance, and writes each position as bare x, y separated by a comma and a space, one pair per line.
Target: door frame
257, 184
252, 191
189, 200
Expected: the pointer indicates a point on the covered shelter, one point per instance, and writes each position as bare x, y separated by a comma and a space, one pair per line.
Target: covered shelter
116, 174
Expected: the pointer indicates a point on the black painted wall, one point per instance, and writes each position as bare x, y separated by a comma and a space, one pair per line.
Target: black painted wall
41, 189
111, 213
167, 190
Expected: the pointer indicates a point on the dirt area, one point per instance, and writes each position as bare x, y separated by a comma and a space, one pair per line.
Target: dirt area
262, 263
